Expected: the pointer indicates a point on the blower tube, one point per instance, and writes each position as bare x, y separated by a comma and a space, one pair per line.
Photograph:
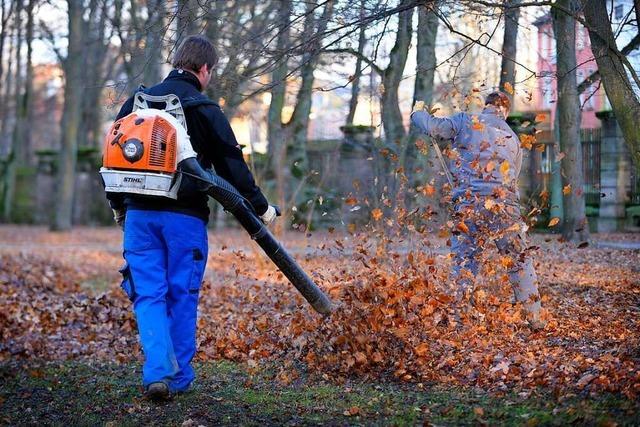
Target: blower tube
232, 201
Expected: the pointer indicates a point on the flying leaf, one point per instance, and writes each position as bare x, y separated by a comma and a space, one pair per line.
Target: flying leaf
540, 118
566, 190
506, 261
462, 227
489, 204
428, 190
527, 141
491, 165
553, 222
422, 146
477, 126
504, 168
515, 227
376, 214
508, 88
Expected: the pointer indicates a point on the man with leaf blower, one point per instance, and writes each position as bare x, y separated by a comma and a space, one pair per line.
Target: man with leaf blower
165, 234
485, 158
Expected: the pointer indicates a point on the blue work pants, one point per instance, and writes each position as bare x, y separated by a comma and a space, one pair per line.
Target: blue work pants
166, 255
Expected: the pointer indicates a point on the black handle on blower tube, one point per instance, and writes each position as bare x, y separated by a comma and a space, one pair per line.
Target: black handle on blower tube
232, 201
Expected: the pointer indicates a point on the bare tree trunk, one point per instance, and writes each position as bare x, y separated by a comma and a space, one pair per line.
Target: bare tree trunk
217, 12
277, 143
19, 125
91, 73
4, 20
96, 71
575, 227
8, 87
509, 47
128, 42
556, 210
186, 21
70, 120
391, 77
355, 82
299, 123
141, 35
212, 27
27, 104
243, 31
229, 84
617, 85
153, 44
425, 72
392, 122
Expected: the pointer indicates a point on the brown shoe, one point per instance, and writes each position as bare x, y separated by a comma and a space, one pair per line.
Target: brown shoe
158, 392
536, 323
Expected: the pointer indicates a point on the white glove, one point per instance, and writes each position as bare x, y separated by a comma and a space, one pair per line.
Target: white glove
269, 215
118, 217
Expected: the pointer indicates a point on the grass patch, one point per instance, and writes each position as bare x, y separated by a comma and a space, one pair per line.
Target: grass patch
76, 393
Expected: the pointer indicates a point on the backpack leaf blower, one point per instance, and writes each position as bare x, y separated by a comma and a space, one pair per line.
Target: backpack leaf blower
149, 152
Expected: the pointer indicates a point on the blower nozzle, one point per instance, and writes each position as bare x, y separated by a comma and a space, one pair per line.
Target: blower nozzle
232, 201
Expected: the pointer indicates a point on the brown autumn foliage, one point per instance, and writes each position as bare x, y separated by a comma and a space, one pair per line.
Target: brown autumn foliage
394, 315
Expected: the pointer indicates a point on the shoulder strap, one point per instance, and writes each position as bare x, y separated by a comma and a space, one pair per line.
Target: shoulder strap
196, 101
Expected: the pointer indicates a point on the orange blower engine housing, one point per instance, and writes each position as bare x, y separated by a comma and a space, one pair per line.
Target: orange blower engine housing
143, 149
138, 143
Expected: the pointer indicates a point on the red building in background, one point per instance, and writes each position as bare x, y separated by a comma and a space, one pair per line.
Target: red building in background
611, 189
593, 99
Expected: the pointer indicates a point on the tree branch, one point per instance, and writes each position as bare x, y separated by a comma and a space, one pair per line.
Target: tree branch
477, 41
51, 38
358, 55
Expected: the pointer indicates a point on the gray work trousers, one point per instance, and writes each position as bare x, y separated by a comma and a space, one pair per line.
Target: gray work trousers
503, 226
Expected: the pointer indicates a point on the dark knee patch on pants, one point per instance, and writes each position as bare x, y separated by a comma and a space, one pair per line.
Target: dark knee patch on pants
197, 255
127, 283
199, 263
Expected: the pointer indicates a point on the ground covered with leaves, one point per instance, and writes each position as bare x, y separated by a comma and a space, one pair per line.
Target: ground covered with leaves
395, 324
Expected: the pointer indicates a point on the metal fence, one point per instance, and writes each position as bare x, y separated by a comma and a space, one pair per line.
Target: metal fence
591, 140
634, 197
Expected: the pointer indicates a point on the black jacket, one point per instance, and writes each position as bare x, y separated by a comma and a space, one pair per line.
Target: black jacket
212, 139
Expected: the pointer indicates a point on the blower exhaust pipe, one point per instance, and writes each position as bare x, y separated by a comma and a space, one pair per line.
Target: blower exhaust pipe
232, 201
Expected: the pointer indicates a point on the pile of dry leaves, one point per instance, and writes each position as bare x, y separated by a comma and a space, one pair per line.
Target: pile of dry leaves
394, 317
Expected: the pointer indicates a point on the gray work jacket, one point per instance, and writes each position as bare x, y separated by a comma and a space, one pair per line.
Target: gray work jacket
480, 146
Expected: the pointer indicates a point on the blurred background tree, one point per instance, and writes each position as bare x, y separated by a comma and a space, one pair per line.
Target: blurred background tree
319, 92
